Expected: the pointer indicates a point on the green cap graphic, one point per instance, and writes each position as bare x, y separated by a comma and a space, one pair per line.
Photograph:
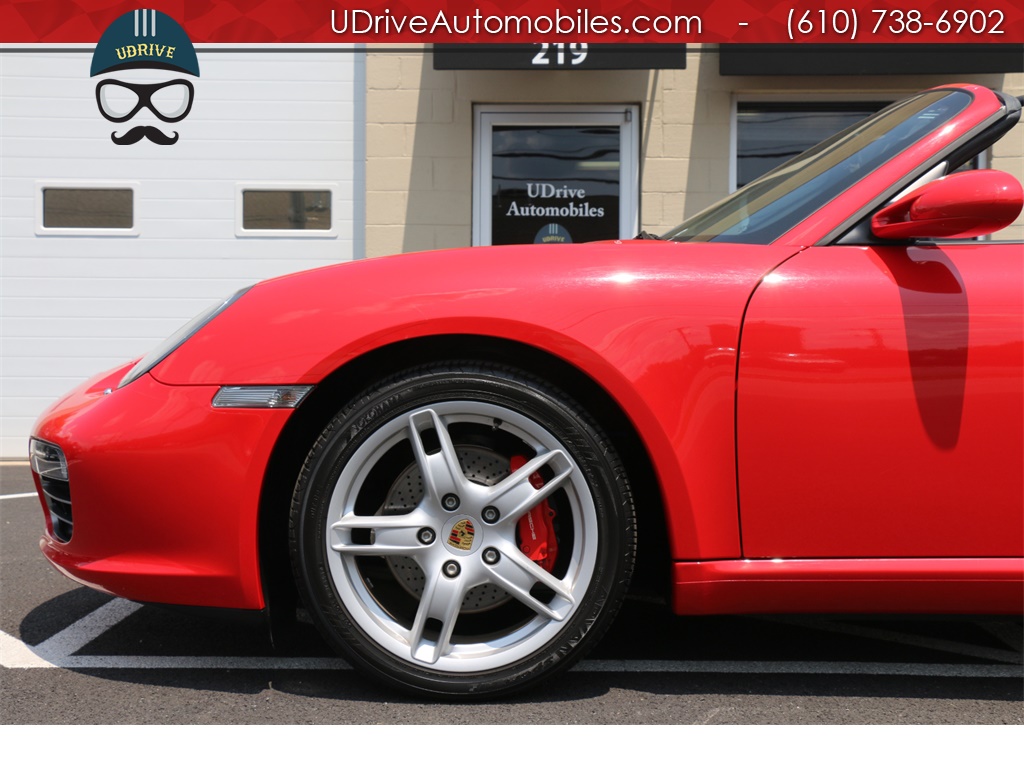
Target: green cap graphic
144, 38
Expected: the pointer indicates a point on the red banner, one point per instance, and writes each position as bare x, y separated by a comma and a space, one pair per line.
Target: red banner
348, 22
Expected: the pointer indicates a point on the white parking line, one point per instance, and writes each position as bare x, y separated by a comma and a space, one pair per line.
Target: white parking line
85, 630
14, 654
17, 496
59, 652
803, 668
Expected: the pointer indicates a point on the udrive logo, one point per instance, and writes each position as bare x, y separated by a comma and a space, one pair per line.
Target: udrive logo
142, 46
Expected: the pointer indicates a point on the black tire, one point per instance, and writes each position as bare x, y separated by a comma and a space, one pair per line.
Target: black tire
375, 582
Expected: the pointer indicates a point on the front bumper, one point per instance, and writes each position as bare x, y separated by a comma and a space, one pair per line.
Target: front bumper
165, 491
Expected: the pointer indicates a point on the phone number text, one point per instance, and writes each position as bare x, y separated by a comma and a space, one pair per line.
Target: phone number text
885, 22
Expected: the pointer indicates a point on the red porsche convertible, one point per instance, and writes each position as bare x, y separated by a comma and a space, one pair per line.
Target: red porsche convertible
807, 398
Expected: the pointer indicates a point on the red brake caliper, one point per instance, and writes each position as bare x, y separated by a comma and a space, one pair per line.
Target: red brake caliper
537, 537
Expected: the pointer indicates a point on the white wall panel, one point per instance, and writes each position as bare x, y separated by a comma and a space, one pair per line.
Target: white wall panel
73, 306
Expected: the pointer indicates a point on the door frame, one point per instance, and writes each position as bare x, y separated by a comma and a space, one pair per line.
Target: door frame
487, 116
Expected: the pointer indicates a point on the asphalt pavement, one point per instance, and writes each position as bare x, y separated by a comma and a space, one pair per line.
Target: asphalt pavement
70, 655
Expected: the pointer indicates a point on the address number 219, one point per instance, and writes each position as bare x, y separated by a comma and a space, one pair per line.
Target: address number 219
556, 54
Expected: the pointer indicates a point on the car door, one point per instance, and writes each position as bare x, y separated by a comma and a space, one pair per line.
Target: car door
879, 404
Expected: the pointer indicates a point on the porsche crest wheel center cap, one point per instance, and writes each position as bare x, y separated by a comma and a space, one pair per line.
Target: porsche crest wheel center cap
462, 535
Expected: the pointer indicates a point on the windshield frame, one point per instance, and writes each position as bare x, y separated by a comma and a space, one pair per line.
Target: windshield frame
772, 205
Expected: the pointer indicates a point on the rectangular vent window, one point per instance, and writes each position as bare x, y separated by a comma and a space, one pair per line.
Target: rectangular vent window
281, 209
88, 208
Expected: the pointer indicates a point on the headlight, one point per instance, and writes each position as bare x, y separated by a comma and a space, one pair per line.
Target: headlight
47, 460
179, 337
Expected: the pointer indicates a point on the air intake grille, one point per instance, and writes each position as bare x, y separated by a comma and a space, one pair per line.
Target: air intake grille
51, 467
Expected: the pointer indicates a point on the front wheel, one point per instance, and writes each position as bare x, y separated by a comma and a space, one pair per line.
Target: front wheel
462, 531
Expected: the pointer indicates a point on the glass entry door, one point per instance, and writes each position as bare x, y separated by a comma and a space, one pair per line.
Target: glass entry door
557, 175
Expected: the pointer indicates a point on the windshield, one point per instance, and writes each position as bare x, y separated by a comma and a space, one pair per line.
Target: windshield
773, 204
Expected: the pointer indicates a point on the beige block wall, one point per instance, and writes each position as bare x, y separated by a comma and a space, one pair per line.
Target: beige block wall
419, 135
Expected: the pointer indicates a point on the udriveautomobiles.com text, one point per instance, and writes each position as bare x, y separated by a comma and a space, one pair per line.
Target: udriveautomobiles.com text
361, 22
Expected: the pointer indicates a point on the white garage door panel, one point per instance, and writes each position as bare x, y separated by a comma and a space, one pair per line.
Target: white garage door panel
92, 287
22, 391
70, 307
127, 268
73, 306
93, 347
137, 334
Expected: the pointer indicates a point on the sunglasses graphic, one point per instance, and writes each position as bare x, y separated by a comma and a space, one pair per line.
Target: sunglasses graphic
119, 101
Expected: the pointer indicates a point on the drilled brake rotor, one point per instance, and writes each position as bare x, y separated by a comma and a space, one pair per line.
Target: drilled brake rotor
479, 465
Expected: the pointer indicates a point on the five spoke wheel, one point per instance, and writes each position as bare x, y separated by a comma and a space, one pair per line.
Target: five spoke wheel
466, 539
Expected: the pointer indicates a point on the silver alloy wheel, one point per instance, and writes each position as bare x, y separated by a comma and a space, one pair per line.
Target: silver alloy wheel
460, 556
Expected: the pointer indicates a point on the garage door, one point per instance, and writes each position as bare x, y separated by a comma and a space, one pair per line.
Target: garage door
108, 248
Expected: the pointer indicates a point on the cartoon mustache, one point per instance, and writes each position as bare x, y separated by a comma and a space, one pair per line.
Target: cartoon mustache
140, 132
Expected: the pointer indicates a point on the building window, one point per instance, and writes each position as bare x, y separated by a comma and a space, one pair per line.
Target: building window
285, 210
768, 133
85, 208
560, 174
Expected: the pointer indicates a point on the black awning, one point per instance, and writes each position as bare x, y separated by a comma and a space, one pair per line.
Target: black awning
858, 59
559, 56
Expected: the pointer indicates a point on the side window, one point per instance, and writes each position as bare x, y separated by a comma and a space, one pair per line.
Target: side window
771, 132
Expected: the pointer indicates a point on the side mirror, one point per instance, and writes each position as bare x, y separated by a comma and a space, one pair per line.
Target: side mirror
966, 204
